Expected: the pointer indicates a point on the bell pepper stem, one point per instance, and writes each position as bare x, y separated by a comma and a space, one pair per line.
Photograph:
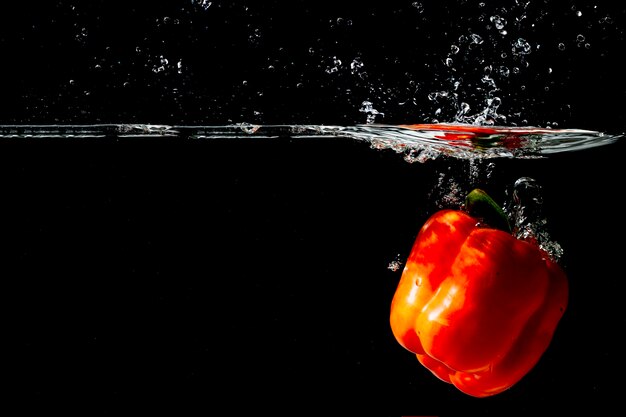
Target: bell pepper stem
480, 205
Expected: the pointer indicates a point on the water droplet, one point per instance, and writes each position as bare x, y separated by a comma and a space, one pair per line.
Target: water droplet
335, 66
498, 22
465, 108
356, 65
521, 47
476, 39
205, 4
396, 264
490, 82
418, 6
368, 108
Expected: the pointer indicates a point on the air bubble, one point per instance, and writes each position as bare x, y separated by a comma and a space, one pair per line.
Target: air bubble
498, 22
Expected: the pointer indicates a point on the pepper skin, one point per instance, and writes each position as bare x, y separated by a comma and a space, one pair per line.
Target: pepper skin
477, 306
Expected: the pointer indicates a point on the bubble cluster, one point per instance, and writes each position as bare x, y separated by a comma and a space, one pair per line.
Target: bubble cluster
525, 212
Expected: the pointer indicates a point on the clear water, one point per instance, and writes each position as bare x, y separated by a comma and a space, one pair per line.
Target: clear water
204, 261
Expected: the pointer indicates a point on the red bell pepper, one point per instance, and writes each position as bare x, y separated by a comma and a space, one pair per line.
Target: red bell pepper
477, 306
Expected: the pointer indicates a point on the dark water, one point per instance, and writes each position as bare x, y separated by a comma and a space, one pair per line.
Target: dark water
196, 273
256, 274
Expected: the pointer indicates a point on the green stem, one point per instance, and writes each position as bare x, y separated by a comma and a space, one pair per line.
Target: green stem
478, 204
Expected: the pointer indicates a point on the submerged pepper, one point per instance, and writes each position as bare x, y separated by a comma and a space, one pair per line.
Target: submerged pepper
476, 305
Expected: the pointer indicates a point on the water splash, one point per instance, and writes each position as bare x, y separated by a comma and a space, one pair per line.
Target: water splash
367, 107
499, 55
416, 143
425, 142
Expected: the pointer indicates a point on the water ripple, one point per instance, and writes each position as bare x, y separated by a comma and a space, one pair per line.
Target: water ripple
418, 142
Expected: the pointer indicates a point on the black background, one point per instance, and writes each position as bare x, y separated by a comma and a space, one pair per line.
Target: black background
147, 275
309, 62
